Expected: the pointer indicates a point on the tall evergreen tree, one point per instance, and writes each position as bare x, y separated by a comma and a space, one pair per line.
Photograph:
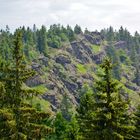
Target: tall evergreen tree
137, 42
84, 116
77, 29
112, 53
137, 125
66, 107
70, 33
24, 121
5, 44
109, 118
137, 75
110, 34
42, 40
72, 130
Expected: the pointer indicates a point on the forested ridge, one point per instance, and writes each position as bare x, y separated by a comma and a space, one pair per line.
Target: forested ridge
63, 83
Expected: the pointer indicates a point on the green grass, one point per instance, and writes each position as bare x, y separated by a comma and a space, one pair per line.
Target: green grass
40, 88
33, 54
128, 70
44, 104
36, 100
123, 80
94, 76
81, 69
96, 48
37, 89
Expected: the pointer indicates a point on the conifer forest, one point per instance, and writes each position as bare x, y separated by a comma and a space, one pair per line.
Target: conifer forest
69, 70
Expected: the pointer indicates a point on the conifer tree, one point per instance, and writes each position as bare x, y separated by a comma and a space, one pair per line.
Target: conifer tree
42, 41
70, 33
84, 116
26, 120
112, 53
66, 107
72, 130
59, 125
137, 125
7, 122
77, 29
109, 118
110, 35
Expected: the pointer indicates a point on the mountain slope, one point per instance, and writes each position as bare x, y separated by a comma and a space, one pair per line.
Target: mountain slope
69, 69
67, 61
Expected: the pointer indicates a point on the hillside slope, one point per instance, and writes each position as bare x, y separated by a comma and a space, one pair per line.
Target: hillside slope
69, 69
67, 61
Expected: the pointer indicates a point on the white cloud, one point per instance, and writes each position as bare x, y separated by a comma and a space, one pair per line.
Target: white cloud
93, 14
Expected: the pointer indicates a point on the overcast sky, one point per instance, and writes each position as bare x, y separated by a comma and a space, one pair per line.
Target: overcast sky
93, 14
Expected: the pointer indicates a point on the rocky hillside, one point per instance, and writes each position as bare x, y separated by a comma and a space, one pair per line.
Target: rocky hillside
67, 60
67, 70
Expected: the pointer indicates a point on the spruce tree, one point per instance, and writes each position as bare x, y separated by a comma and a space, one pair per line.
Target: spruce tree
59, 125
26, 121
113, 54
42, 41
109, 116
137, 76
66, 107
77, 29
84, 116
72, 130
110, 36
85, 110
7, 122
137, 124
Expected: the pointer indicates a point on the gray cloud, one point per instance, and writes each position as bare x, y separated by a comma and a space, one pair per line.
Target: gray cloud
92, 14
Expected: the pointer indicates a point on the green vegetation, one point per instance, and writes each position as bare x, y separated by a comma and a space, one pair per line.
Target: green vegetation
44, 105
86, 96
137, 130
19, 120
81, 68
101, 114
40, 88
96, 48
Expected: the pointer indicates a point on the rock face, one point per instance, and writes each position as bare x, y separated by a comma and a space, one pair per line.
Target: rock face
62, 60
72, 87
44, 60
120, 44
98, 57
93, 40
51, 98
63, 76
51, 86
84, 53
79, 52
36, 67
35, 81
134, 88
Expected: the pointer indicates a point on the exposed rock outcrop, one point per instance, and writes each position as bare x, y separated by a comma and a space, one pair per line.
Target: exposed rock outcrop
93, 39
78, 52
72, 87
62, 60
97, 58
63, 74
44, 60
120, 45
134, 88
35, 81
